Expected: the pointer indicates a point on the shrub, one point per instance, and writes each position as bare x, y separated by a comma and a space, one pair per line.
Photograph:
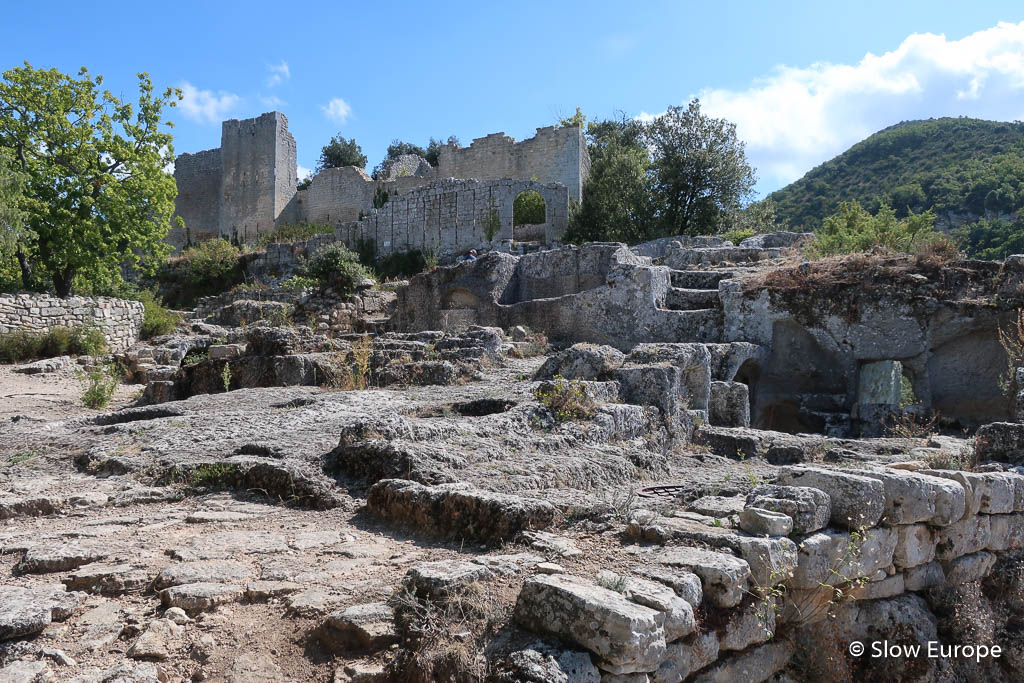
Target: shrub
737, 236
335, 266
298, 282
566, 399
25, 345
853, 229
102, 383
212, 263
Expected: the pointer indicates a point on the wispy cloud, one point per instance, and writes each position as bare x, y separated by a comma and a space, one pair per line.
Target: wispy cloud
206, 106
303, 172
796, 118
272, 101
279, 73
337, 110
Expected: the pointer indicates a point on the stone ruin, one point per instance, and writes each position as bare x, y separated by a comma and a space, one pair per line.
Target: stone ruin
729, 464
247, 188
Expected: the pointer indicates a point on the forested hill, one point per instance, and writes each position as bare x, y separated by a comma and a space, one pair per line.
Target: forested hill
962, 168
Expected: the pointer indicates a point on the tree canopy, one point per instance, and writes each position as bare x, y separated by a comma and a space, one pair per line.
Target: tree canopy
340, 152
97, 194
682, 173
399, 148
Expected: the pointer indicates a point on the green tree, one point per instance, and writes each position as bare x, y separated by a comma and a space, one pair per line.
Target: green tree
700, 171
577, 119
528, 208
396, 149
616, 201
340, 152
853, 229
433, 153
97, 195
12, 218
992, 238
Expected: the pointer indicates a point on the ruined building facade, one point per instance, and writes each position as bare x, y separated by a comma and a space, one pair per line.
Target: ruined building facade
247, 187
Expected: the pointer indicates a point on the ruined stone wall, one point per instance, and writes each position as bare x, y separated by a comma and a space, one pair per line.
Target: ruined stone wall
198, 202
554, 155
338, 195
119, 320
446, 218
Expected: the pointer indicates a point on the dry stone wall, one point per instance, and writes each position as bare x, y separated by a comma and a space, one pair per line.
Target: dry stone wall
118, 319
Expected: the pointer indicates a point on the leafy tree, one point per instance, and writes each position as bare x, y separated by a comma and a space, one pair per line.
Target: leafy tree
97, 195
700, 171
528, 208
992, 239
340, 152
396, 149
12, 218
433, 155
616, 201
853, 229
577, 119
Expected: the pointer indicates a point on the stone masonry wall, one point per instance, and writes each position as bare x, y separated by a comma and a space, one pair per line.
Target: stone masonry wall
446, 217
198, 202
120, 320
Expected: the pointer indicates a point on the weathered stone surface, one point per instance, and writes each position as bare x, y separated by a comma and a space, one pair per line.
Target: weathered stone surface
717, 506
771, 560
202, 571
160, 639
830, 557
888, 587
752, 666
367, 627
26, 672
810, 508
551, 544
969, 567
962, 538
1000, 441
686, 584
913, 497
108, 579
679, 621
224, 544
857, 501
103, 625
441, 579
255, 666
194, 597
724, 578
457, 509
311, 602
28, 506
258, 591
24, 611
924, 576
685, 657
762, 522
748, 625
582, 361
915, 545
729, 405
543, 664
58, 557
214, 516
626, 636
1006, 531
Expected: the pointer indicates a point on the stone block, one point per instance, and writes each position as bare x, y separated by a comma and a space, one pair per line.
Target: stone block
810, 508
724, 578
857, 501
969, 567
924, 576
760, 522
915, 545
772, 560
912, 497
962, 538
729, 404
831, 557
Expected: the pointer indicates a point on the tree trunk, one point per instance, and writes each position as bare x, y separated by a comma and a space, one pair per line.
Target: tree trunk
62, 280
27, 276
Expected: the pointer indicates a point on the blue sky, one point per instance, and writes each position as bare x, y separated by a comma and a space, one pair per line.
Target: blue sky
802, 80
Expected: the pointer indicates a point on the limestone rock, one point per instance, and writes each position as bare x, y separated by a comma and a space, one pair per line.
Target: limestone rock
915, 545
58, 557
679, 620
913, 497
969, 567
857, 501
686, 584
253, 666
26, 672
202, 571
962, 538
158, 641
544, 664
772, 560
760, 522
582, 361
686, 657
830, 557
367, 627
924, 576
810, 508
752, 666
108, 579
441, 579
717, 506
626, 636
24, 611
724, 578
550, 544
748, 625
194, 597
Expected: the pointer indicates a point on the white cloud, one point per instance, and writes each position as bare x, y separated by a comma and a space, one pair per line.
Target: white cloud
272, 101
278, 74
303, 172
796, 118
337, 110
205, 106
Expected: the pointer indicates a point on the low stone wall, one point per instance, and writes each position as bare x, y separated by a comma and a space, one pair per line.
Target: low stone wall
119, 320
874, 536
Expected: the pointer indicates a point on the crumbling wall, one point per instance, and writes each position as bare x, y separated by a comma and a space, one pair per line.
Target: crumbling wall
119, 320
198, 202
338, 195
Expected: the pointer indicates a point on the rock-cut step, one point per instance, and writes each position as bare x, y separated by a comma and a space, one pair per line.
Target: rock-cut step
699, 279
679, 299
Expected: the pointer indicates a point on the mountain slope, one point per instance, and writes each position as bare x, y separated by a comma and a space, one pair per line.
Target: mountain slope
961, 168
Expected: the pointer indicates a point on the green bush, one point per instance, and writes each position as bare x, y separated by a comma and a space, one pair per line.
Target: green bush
566, 399
102, 383
853, 229
737, 236
26, 345
338, 267
213, 263
298, 282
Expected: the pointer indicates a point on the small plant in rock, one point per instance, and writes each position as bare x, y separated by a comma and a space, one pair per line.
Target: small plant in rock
101, 383
946, 460
1012, 340
910, 425
336, 266
354, 373
213, 475
611, 581
225, 377
566, 399
297, 283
